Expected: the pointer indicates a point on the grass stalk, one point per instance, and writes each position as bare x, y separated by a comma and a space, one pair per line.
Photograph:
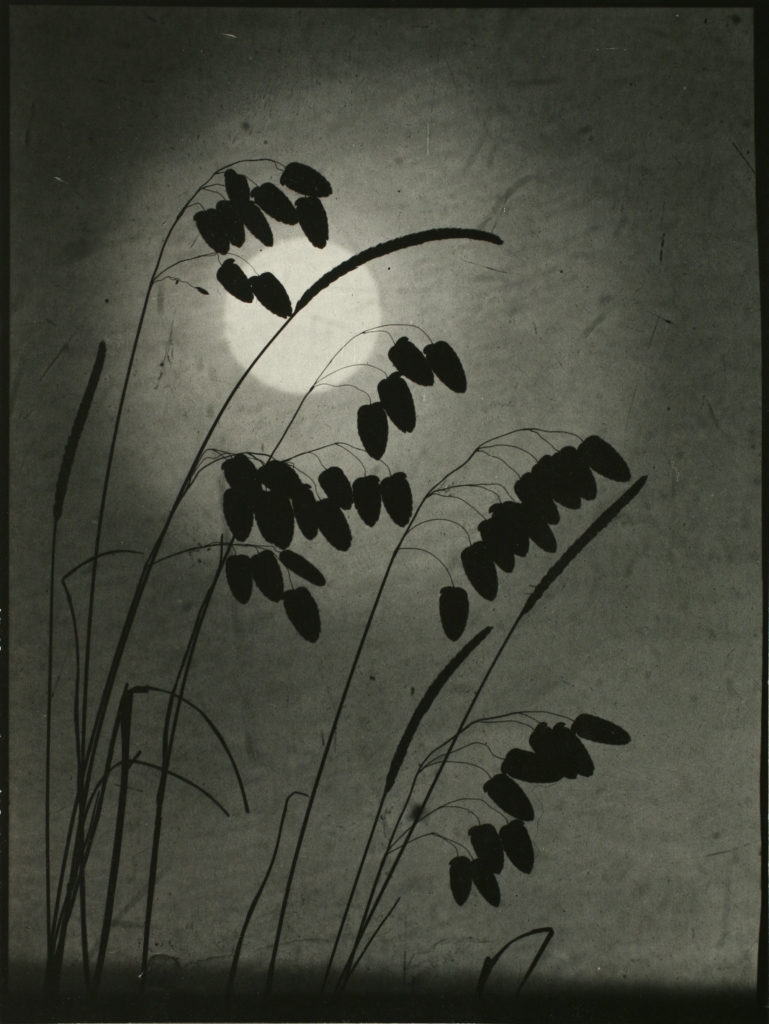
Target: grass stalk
257, 897
335, 723
421, 710
491, 961
212, 727
95, 733
599, 524
124, 715
173, 708
62, 484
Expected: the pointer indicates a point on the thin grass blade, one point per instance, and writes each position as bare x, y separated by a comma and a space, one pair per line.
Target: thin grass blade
73, 440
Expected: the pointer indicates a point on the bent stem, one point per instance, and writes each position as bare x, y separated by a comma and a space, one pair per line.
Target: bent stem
491, 961
257, 897
212, 727
377, 930
335, 274
66, 900
86, 766
442, 678
124, 715
62, 484
599, 524
337, 716
173, 708
367, 255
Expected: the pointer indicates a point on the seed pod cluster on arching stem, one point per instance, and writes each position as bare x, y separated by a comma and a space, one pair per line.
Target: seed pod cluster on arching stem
555, 753
273, 498
565, 478
246, 209
396, 403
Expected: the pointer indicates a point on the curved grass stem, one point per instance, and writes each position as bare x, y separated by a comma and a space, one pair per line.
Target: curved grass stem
257, 897
490, 962
397, 760
212, 727
337, 716
173, 709
91, 744
599, 524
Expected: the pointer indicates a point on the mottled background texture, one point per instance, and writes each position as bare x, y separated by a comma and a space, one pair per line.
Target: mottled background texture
612, 151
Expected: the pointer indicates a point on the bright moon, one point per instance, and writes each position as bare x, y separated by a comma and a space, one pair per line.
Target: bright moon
299, 355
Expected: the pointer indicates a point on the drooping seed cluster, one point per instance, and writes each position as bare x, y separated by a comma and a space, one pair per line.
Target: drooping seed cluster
556, 753
396, 402
565, 479
245, 209
273, 496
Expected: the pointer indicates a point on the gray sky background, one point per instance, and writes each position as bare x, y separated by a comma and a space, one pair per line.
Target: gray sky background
612, 151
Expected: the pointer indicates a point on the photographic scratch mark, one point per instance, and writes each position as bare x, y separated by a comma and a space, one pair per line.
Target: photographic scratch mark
622, 219
495, 269
630, 407
229, 35
249, 745
717, 853
654, 331
168, 355
102, 80
151, 18
678, 475
451, 72
656, 324
706, 402
526, 82
520, 370
62, 349
743, 156
592, 326
432, 100
719, 428
500, 204
475, 153
57, 178
662, 223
